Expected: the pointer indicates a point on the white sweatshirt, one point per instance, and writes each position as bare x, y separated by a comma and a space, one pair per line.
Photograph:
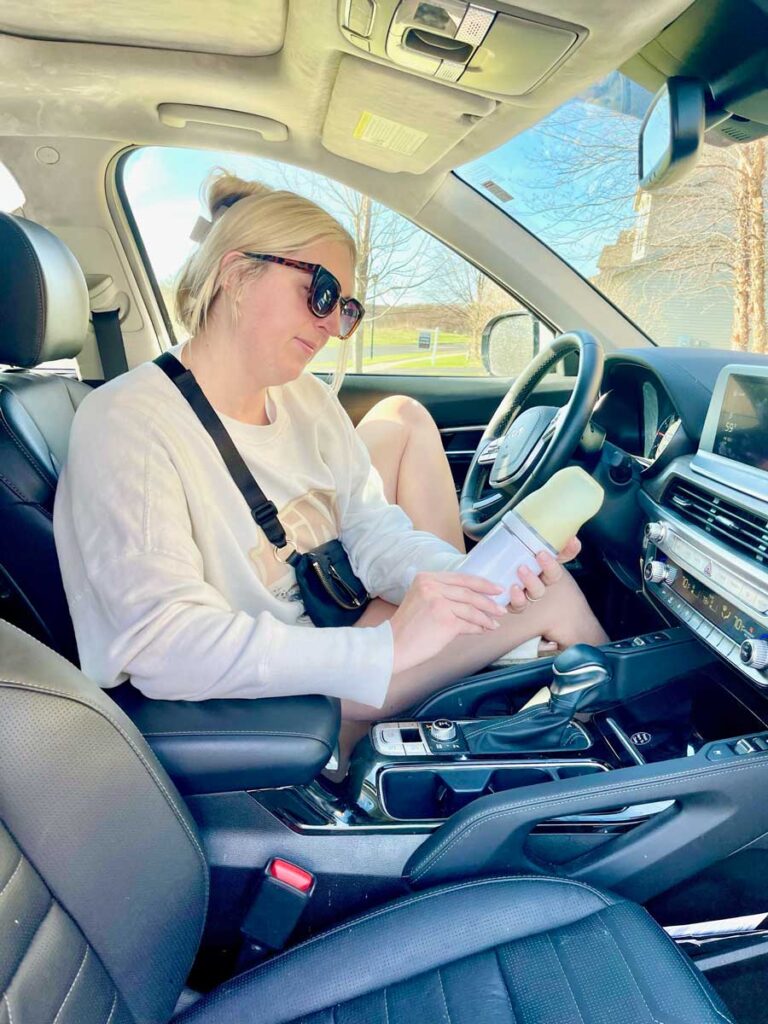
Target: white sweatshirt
170, 581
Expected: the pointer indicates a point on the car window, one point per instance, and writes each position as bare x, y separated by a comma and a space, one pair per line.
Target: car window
687, 262
427, 309
12, 197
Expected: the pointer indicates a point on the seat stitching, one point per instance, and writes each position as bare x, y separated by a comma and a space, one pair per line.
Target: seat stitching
7, 1002
13, 874
503, 977
386, 1006
290, 734
112, 1009
430, 894
43, 919
147, 767
564, 974
24, 451
442, 992
610, 789
36, 687
693, 971
629, 969
74, 982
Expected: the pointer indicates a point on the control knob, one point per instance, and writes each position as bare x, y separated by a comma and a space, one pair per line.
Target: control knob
655, 532
443, 730
660, 572
754, 653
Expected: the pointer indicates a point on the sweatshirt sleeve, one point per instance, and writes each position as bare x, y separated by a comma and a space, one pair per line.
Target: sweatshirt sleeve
154, 615
385, 550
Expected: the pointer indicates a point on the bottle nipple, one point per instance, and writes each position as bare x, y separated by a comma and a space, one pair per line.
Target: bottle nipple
559, 509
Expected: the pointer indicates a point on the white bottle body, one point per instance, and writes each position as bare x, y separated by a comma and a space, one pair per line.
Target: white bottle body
499, 556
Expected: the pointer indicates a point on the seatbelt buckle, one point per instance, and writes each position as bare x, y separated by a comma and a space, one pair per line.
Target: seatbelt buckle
283, 894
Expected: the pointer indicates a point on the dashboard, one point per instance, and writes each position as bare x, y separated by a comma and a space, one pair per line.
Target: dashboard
695, 426
705, 555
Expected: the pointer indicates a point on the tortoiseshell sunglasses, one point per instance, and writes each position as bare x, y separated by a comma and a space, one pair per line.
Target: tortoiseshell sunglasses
324, 292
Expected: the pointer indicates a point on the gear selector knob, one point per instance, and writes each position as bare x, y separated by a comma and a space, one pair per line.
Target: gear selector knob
577, 672
443, 730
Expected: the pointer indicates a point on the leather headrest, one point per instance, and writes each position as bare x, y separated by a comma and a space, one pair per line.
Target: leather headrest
44, 307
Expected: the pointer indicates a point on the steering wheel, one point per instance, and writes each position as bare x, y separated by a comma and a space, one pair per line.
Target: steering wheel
520, 451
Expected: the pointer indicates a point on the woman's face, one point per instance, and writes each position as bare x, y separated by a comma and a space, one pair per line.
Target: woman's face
275, 332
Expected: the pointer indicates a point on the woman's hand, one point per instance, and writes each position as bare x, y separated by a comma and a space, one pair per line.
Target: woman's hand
535, 587
438, 607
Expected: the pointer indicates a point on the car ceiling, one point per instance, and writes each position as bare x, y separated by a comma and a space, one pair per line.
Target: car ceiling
76, 71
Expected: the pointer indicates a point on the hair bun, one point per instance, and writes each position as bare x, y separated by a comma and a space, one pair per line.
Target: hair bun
224, 190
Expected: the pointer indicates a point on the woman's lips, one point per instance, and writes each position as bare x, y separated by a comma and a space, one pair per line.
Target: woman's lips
307, 346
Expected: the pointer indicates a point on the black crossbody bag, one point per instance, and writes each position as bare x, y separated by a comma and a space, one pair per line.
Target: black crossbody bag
332, 593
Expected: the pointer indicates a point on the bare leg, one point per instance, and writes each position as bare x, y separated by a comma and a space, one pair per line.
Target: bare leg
563, 614
405, 447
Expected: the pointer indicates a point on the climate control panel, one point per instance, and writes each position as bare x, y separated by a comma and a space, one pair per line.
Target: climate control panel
705, 587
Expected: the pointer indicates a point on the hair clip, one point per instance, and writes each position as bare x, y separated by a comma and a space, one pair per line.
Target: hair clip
200, 229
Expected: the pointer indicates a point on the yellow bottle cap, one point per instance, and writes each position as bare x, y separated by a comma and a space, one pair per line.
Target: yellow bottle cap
559, 509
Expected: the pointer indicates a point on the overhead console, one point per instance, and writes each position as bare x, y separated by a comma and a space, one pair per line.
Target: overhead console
491, 47
706, 546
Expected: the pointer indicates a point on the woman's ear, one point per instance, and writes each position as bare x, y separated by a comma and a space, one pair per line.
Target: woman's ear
228, 271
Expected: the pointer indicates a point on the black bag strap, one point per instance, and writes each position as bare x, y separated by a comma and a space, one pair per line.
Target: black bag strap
262, 509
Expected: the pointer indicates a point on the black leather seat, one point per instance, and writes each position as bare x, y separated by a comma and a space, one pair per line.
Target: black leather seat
43, 316
104, 886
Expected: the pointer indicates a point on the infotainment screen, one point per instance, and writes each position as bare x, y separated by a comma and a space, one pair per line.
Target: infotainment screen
742, 426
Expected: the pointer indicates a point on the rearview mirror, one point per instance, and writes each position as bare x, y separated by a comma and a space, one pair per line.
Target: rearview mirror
671, 133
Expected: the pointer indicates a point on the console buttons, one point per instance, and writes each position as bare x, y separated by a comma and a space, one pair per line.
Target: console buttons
754, 653
655, 532
744, 746
657, 571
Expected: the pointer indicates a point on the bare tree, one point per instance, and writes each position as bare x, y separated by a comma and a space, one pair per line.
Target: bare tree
697, 245
467, 295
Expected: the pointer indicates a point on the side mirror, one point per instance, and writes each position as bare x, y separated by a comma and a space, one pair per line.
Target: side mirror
510, 341
671, 133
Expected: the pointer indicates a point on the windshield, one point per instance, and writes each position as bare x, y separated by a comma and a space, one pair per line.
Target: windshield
687, 263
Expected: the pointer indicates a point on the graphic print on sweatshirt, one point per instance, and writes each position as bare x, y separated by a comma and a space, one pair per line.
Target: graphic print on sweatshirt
308, 521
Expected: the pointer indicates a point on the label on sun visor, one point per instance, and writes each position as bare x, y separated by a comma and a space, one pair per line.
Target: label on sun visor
380, 131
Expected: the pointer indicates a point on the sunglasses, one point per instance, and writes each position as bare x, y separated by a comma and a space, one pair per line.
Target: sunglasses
324, 292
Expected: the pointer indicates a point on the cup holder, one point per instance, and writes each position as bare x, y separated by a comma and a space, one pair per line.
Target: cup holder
435, 792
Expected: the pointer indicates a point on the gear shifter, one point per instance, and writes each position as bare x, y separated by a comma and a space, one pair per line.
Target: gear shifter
581, 681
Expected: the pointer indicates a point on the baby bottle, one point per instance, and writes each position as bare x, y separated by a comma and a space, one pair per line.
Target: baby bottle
543, 521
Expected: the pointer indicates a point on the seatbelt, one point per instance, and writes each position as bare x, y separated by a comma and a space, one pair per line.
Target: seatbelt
109, 339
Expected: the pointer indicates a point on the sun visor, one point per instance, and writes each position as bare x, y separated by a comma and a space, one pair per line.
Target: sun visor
394, 121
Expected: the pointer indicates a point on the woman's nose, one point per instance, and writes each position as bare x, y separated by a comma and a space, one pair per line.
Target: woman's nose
331, 324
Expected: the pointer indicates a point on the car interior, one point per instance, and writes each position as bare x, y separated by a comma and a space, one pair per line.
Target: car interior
576, 838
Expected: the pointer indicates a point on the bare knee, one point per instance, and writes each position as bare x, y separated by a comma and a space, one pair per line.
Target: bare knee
401, 410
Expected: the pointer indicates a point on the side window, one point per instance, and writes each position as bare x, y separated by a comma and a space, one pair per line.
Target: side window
428, 311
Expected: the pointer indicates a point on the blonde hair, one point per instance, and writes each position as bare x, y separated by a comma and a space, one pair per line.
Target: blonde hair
247, 215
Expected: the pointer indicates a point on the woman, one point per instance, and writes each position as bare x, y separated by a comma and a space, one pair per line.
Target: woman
168, 578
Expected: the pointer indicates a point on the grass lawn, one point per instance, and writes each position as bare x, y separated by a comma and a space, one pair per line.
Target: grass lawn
396, 350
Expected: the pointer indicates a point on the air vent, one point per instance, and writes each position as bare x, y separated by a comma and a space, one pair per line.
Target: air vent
743, 531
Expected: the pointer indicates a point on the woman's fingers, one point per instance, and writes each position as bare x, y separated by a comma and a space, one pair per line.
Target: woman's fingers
535, 586
551, 569
571, 549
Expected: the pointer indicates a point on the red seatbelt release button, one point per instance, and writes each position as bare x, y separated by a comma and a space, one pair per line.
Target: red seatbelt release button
291, 874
